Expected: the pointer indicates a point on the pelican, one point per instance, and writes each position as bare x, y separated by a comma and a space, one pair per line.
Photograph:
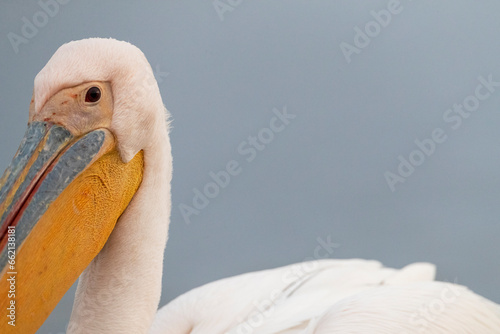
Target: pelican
87, 196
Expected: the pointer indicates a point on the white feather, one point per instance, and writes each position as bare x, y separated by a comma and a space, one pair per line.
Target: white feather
337, 296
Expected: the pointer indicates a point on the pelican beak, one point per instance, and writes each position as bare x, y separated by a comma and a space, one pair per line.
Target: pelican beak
60, 199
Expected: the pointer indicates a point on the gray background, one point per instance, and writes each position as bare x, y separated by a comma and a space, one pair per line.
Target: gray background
324, 174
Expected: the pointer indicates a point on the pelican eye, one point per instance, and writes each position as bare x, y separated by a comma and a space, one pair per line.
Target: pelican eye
93, 95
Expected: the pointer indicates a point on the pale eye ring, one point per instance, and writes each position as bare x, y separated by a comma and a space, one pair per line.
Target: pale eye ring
93, 95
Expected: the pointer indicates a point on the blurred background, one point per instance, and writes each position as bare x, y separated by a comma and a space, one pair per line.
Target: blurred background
387, 144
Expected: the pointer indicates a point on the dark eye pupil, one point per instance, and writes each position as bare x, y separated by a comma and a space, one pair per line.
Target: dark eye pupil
93, 95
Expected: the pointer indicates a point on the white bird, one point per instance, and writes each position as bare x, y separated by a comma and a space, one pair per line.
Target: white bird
89, 193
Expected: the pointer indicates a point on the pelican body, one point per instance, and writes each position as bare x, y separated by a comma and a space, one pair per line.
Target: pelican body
87, 196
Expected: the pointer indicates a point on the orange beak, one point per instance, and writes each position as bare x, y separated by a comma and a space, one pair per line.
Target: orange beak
59, 201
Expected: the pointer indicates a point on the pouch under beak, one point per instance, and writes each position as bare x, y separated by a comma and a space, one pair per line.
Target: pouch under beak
59, 201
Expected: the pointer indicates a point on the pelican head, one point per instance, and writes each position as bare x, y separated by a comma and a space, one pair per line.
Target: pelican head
96, 143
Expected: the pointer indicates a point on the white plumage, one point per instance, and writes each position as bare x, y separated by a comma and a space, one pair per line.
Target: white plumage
330, 296
120, 290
